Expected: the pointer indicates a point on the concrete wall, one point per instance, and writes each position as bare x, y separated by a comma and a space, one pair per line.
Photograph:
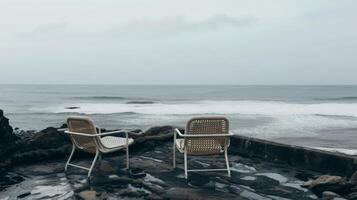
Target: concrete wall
313, 159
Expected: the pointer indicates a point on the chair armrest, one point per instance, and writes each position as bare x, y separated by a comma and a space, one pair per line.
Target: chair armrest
96, 135
202, 135
179, 132
206, 135
81, 134
113, 132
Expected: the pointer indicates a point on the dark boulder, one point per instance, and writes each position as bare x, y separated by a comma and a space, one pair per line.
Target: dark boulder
334, 184
48, 138
352, 196
328, 195
353, 179
46, 144
6, 131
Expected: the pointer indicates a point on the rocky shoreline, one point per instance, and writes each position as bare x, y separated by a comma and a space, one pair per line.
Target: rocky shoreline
32, 167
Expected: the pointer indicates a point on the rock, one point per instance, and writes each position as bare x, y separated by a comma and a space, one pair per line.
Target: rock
46, 144
132, 191
72, 107
6, 131
105, 167
157, 189
112, 180
189, 193
49, 138
323, 183
328, 195
137, 173
198, 179
88, 195
352, 196
353, 179
153, 136
23, 195
153, 197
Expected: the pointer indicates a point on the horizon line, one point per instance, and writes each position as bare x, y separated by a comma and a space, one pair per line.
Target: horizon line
115, 84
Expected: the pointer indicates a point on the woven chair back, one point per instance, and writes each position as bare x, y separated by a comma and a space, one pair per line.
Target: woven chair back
207, 126
83, 125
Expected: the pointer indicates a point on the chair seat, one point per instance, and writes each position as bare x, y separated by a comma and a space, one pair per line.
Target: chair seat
112, 142
180, 144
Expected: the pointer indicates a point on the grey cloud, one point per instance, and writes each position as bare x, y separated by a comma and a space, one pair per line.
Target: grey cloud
179, 25
143, 28
46, 30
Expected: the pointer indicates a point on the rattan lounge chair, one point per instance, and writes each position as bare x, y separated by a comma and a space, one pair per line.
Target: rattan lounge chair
203, 136
87, 137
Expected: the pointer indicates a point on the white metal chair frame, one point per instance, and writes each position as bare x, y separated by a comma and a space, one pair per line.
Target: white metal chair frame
187, 136
100, 149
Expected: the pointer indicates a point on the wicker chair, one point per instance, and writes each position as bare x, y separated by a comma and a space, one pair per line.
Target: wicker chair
87, 137
203, 136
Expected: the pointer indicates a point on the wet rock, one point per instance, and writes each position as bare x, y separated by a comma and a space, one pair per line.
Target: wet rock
24, 195
157, 189
88, 195
49, 138
132, 191
197, 179
137, 173
328, 195
323, 183
353, 179
352, 196
189, 193
105, 167
111, 180
153, 196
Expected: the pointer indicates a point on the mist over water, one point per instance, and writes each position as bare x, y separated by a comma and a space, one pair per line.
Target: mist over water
305, 115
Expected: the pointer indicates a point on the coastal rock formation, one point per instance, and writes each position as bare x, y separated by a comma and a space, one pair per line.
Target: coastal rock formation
6, 131
151, 176
33, 147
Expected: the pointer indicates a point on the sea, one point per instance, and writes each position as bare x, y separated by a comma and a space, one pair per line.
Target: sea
323, 117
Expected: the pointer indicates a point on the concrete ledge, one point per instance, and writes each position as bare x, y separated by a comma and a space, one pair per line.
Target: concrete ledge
313, 159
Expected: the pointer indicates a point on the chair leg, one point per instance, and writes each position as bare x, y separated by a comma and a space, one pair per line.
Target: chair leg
174, 155
93, 162
70, 157
227, 162
185, 160
100, 157
127, 156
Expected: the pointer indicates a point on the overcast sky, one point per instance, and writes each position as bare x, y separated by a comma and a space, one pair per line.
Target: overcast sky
178, 42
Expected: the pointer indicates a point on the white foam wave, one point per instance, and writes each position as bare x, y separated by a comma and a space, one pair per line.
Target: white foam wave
213, 107
352, 152
292, 126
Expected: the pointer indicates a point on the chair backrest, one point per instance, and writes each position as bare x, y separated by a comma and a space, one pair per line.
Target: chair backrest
208, 126
83, 125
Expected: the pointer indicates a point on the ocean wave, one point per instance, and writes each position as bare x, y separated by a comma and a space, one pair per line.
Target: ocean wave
347, 98
214, 107
352, 152
140, 102
102, 98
